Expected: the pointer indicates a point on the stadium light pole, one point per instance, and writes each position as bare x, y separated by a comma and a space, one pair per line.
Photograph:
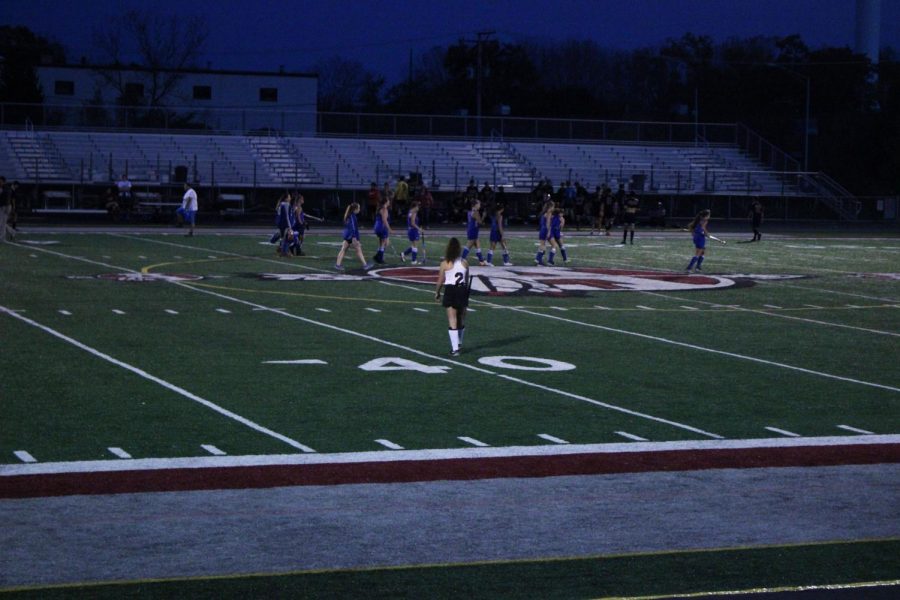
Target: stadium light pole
482, 36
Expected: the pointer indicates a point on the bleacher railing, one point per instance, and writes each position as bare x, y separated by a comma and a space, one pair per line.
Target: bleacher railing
305, 122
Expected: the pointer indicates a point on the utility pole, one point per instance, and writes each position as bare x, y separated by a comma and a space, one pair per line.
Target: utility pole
482, 36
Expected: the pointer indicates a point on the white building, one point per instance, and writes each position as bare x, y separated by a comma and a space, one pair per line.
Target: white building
236, 101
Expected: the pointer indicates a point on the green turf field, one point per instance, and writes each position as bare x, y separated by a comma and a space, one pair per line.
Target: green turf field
152, 345
814, 355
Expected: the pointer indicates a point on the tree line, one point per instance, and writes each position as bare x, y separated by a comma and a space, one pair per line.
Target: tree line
846, 109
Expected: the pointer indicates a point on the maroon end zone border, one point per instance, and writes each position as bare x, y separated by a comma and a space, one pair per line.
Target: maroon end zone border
265, 476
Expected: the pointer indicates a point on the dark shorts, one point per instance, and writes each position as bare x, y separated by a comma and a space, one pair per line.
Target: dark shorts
456, 296
629, 218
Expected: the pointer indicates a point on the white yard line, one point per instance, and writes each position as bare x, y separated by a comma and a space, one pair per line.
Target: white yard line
119, 452
213, 450
473, 441
389, 444
779, 315
855, 430
169, 386
783, 432
754, 359
631, 436
552, 438
25, 456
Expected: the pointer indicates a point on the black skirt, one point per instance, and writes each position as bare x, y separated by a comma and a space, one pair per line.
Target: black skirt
456, 296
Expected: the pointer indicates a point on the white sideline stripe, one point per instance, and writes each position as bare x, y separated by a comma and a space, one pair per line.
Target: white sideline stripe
255, 460
163, 383
119, 452
783, 432
552, 438
559, 308
213, 450
118, 312
374, 310
771, 306
631, 436
325, 310
65, 312
24, 456
224, 311
424, 310
855, 430
642, 307
473, 441
813, 306
602, 307
382, 342
171, 312
690, 308
389, 444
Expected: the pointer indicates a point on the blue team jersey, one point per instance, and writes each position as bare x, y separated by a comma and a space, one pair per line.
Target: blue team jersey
283, 217
556, 226
412, 229
351, 228
496, 235
543, 231
471, 226
699, 236
381, 229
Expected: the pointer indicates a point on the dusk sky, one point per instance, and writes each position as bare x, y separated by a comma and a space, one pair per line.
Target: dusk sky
266, 34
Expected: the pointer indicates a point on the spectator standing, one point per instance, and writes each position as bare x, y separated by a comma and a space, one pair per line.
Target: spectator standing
426, 203
123, 186
632, 204
5, 208
187, 212
373, 199
401, 196
756, 219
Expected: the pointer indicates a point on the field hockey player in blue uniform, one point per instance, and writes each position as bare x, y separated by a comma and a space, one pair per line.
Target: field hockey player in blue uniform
698, 230
543, 232
282, 219
413, 233
453, 278
298, 225
351, 237
473, 223
557, 222
383, 229
497, 237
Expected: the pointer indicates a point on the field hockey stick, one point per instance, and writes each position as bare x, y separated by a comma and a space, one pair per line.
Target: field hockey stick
468, 285
721, 241
424, 256
306, 216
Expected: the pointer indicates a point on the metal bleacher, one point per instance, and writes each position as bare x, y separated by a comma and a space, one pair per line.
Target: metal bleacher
353, 163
